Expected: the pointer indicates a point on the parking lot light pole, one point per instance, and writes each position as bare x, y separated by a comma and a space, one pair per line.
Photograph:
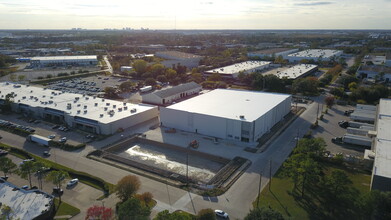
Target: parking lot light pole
259, 190
187, 166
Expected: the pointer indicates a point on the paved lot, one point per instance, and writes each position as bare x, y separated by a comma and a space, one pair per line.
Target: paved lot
45, 129
329, 128
81, 195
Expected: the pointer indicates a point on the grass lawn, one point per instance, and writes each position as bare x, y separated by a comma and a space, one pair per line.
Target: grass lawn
281, 198
65, 209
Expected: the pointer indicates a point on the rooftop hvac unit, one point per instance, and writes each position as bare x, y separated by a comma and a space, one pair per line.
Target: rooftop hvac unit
18, 100
85, 107
119, 109
96, 104
50, 102
85, 111
241, 117
23, 97
78, 111
78, 105
114, 106
105, 108
103, 100
125, 108
124, 103
101, 115
87, 98
107, 104
133, 110
43, 96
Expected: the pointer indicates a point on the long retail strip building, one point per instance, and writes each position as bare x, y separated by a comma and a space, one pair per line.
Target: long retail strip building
89, 113
228, 114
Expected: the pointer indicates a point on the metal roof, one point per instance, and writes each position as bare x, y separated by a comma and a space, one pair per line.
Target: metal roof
177, 89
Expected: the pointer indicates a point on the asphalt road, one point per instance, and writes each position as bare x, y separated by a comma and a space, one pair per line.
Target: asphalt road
237, 201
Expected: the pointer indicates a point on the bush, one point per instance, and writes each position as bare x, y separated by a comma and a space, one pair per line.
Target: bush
206, 214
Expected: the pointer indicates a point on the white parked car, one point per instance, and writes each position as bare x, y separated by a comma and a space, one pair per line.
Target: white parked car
52, 136
63, 140
221, 213
72, 182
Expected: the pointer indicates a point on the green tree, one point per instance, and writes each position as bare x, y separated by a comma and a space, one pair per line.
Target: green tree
126, 86
133, 209
110, 93
40, 171
162, 78
264, 213
280, 60
171, 74
157, 69
382, 207
7, 166
57, 178
26, 169
206, 214
6, 212
306, 86
196, 77
214, 77
150, 82
140, 66
21, 77
127, 187
12, 77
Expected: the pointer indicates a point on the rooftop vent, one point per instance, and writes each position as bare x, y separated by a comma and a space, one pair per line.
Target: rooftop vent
133, 110
241, 117
101, 115
78, 111
85, 107
85, 111
114, 106
105, 108
96, 104
107, 104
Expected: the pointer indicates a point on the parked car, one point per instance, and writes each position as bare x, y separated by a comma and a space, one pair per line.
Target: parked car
25, 187
46, 153
72, 182
52, 136
343, 124
221, 213
57, 191
63, 140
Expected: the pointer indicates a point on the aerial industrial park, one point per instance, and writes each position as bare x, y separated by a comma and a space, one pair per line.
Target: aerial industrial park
152, 124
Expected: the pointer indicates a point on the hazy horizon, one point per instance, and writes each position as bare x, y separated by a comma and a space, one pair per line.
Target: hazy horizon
197, 15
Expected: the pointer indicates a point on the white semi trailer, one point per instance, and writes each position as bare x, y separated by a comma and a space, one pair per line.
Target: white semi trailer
39, 139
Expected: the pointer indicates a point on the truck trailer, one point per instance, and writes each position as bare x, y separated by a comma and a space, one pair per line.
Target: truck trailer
353, 139
39, 139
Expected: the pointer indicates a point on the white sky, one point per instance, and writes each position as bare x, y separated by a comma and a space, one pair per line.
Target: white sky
196, 14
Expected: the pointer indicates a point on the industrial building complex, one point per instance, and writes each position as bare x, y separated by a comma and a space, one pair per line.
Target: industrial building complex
273, 52
228, 114
26, 204
40, 62
89, 113
169, 95
232, 71
297, 71
381, 174
314, 54
175, 57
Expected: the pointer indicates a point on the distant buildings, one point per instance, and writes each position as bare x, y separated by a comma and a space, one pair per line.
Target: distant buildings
175, 57
228, 114
298, 71
88, 113
126, 68
41, 62
315, 55
374, 72
170, 95
232, 71
26, 204
273, 52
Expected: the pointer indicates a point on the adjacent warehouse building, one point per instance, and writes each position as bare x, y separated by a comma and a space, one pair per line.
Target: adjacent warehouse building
374, 72
175, 57
381, 174
232, 71
170, 95
298, 71
92, 114
26, 204
314, 54
40, 62
272, 52
228, 114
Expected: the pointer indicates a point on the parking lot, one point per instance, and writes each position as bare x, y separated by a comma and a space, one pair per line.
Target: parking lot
47, 129
79, 195
91, 85
329, 128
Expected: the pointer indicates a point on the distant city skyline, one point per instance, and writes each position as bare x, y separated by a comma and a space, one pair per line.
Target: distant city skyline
197, 14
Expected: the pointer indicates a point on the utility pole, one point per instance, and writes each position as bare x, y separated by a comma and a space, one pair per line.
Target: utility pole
317, 113
187, 167
270, 174
259, 189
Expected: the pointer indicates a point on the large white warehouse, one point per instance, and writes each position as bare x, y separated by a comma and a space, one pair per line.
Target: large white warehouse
314, 54
228, 114
89, 113
232, 71
90, 60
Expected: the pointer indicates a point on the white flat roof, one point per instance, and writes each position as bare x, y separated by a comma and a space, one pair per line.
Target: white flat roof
296, 71
383, 140
92, 57
57, 100
25, 204
315, 53
231, 104
236, 68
